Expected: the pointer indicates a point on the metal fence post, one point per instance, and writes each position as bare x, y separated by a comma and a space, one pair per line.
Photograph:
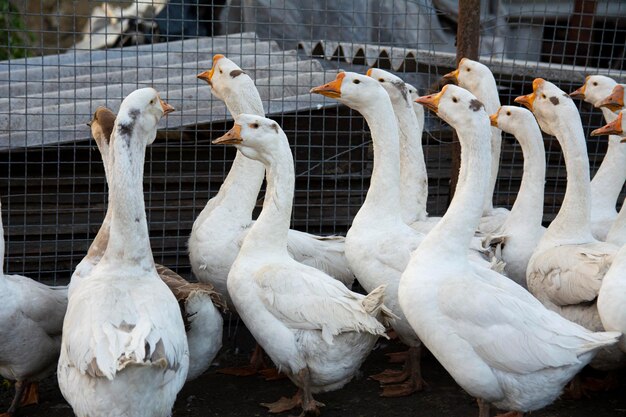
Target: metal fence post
467, 43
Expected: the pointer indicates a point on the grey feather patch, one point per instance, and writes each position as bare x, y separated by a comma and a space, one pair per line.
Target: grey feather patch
554, 100
236, 73
476, 105
275, 127
126, 129
401, 86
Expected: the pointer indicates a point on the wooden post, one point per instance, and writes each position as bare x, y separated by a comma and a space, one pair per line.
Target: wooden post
467, 44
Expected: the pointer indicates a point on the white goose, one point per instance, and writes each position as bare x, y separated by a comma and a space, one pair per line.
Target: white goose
615, 103
314, 329
519, 235
31, 319
221, 227
199, 302
566, 270
413, 176
496, 340
123, 335
478, 79
379, 243
607, 183
613, 291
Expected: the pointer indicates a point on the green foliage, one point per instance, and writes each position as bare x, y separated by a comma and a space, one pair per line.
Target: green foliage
13, 35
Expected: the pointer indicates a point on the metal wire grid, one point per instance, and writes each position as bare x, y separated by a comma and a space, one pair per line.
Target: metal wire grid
54, 195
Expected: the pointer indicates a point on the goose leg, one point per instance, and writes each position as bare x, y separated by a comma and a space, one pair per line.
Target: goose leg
483, 407
511, 414
31, 394
257, 363
20, 386
407, 381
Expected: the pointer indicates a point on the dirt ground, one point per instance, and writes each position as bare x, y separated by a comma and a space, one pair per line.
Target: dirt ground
215, 394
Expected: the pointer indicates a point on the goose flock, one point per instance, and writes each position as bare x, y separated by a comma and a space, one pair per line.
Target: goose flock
511, 309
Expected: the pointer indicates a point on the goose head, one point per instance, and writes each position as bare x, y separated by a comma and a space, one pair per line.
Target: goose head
140, 113
356, 91
551, 106
512, 119
101, 127
471, 75
457, 106
256, 137
595, 89
397, 89
616, 127
225, 76
615, 101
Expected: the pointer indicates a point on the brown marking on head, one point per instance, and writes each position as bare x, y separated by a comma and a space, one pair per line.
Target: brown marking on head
476, 104
554, 100
236, 72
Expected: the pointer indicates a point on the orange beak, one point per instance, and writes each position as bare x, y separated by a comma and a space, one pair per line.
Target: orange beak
613, 128
529, 99
615, 101
579, 93
331, 89
166, 107
493, 119
452, 77
208, 75
431, 102
232, 137
369, 72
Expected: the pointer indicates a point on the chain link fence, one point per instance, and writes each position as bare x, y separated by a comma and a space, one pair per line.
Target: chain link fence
62, 59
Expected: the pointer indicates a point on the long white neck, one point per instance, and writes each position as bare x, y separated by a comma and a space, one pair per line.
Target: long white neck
453, 233
269, 232
487, 93
607, 183
413, 176
383, 197
239, 192
573, 222
527, 212
100, 242
129, 241
617, 233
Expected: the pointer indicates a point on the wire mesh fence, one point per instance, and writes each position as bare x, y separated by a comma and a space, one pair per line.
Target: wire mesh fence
63, 59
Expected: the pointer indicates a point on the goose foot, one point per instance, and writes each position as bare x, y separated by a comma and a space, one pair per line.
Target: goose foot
390, 376
284, 403
19, 398
511, 414
410, 378
256, 365
7, 414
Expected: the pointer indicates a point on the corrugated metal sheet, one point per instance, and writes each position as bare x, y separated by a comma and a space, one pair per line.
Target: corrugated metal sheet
48, 100
407, 59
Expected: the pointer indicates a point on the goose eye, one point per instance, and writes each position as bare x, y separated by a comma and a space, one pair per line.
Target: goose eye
508, 113
469, 69
454, 99
152, 101
254, 125
382, 80
221, 72
356, 81
543, 96
595, 83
